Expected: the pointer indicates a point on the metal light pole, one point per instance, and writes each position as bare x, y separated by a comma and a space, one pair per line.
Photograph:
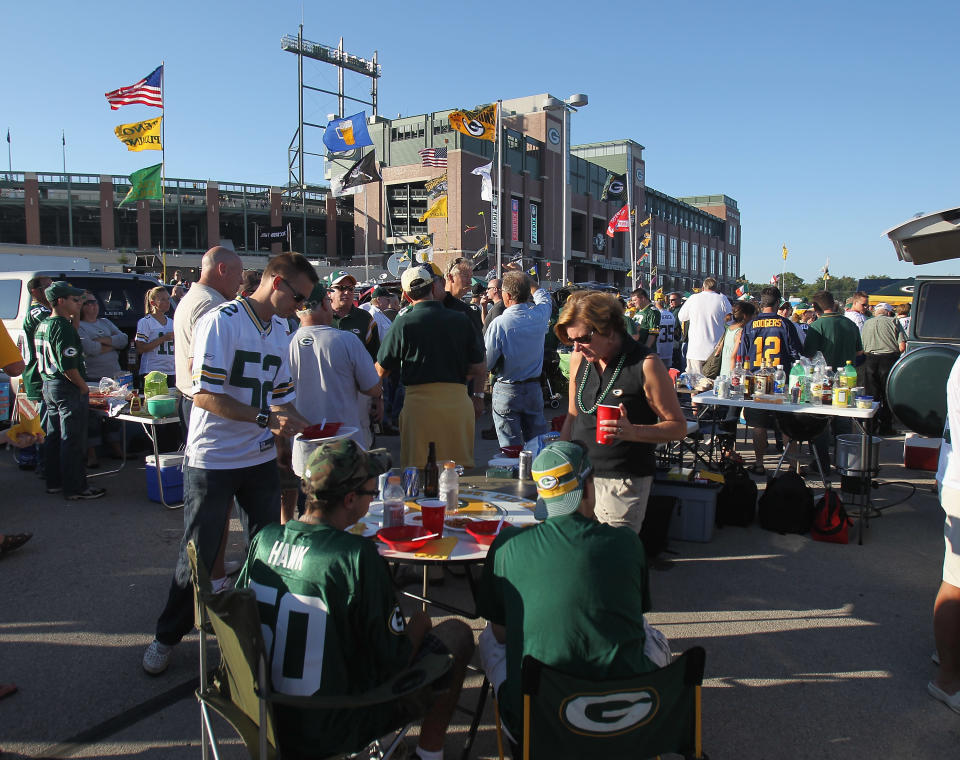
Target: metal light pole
575, 101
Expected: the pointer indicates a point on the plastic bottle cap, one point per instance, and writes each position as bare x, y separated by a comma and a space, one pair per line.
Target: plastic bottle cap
393, 479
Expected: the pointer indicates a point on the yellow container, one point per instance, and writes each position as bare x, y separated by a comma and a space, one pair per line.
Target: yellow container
841, 396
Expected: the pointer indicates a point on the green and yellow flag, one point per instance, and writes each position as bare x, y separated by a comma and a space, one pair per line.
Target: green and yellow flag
480, 123
141, 135
438, 209
145, 184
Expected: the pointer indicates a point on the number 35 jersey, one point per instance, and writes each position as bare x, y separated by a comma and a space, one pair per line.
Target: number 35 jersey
770, 338
237, 355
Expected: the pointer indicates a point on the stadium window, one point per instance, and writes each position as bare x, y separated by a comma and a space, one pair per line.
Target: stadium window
673, 253
684, 255
661, 250
696, 255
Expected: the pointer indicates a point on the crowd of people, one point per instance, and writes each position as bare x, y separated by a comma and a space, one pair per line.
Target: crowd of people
257, 359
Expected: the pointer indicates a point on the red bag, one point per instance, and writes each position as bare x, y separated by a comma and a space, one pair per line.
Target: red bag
830, 520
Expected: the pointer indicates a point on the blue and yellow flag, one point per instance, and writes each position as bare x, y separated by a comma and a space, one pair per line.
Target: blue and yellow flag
347, 133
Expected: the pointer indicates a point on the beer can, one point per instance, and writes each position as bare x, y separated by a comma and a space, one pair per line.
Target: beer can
526, 465
411, 482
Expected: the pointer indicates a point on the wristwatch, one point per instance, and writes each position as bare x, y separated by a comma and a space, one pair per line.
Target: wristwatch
477, 395
263, 419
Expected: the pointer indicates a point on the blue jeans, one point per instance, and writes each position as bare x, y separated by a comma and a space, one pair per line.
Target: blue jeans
207, 499
65, 449
393, 395
517, 412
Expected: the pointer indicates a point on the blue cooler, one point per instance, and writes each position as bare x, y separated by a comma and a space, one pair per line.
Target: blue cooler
171, 474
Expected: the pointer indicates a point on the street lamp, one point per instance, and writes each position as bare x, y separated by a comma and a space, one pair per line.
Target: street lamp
575, 101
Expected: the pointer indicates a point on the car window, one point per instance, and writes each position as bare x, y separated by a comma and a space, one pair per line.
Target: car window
10, 291
121, 301
938, 311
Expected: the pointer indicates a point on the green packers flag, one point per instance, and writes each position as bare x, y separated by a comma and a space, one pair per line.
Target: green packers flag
145, 184
615, 188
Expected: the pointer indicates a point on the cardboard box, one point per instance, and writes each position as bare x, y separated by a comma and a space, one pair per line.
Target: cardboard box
695, 514
921, 453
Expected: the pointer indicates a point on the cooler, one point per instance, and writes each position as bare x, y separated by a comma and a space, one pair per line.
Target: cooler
695, 514
920, 453
171, 474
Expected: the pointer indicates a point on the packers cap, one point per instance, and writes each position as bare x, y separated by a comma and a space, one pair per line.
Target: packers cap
315, 298
337, 277
418, 276
62, 289
341, 466
560, 471
379, 292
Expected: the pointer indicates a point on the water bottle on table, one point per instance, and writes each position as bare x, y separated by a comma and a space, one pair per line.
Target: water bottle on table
449, 487
393, 502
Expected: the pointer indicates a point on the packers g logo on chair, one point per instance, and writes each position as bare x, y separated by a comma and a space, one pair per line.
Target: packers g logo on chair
609, 714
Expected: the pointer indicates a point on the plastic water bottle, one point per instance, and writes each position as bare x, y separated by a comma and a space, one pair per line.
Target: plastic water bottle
393, 502
780, 380
450, 486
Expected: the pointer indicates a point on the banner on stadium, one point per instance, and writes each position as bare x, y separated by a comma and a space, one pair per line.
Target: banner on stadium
271, 235
141, 135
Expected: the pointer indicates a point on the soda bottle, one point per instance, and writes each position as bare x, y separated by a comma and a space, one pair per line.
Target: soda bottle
431, 474
449, 486
393, 502
780, 380
828, 386
850, 375
797, 373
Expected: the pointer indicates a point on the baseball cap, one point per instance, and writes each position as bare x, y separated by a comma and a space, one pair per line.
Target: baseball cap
62, 289
885, 306
338, 467
337, 277
418, 276
379, 292
560, 471
315, 298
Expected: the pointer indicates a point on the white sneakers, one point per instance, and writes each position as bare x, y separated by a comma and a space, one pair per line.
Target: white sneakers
156, 658
950, 700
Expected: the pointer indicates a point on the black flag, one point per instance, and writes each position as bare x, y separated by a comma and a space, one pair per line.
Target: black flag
615, 188
363, 172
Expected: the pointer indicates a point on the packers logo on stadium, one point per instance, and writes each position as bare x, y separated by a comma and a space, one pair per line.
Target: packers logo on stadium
547, 482
397, 623
475, 127
306, 340
616, 187
609, 714
70, 351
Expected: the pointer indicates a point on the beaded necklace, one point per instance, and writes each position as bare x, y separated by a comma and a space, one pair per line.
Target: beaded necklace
602, 396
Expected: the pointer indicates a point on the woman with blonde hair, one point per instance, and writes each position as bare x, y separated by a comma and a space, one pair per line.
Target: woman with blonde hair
608, 367
154, 340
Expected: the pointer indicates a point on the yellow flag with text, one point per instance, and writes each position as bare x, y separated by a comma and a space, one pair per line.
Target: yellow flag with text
141, 135
438, 209
480, 123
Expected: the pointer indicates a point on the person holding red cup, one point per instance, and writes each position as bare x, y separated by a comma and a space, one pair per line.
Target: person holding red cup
622, 403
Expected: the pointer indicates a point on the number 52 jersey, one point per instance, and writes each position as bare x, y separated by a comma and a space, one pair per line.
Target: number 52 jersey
237, 355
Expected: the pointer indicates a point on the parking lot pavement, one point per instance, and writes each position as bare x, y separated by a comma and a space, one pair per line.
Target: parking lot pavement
813, 650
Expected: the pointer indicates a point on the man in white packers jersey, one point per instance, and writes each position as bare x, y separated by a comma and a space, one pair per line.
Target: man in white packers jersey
668, 325
242, 397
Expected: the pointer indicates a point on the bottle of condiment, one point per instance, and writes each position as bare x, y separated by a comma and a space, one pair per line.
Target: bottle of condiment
431, 474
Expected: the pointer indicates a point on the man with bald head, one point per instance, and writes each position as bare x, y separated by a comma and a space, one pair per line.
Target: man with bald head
221, 272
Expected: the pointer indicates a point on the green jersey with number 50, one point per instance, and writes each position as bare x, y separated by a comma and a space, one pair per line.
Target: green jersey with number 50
57, 347
237, 355
331, 626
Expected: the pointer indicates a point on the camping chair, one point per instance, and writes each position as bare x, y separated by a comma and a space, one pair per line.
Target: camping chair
642, 716
240, 690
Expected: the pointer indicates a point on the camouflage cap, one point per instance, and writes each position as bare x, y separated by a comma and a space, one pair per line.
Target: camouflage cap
338, 467
315, 298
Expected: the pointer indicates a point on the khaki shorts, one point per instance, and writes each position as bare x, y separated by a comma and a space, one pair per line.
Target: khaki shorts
622, 502
950, 500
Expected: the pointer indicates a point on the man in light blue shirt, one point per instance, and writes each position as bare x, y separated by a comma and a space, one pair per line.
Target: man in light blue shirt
514, 343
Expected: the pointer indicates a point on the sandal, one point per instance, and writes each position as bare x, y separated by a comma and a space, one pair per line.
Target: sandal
13, 541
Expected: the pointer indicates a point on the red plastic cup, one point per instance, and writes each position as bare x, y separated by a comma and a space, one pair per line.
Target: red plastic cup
606, 412
433, 512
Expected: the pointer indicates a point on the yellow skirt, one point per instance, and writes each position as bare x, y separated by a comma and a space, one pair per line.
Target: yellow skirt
439, 412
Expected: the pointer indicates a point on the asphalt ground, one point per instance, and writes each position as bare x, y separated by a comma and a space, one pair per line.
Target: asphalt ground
813, 649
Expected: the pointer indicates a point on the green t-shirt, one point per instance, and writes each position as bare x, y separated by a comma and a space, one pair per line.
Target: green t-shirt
362, 324
571, 592
882, 335
836, 337
648, 322
32, 382
431, 344
332, 627
57, 345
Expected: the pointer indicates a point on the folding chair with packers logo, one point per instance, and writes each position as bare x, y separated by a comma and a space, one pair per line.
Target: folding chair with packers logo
240, 690
638, 717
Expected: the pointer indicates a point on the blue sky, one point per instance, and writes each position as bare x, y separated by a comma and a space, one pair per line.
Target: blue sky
827, 122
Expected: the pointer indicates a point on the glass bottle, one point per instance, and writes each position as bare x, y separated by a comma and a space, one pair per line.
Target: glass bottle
431, 474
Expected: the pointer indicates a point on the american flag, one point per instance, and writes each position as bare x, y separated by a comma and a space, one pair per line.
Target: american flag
146, 92
433, 157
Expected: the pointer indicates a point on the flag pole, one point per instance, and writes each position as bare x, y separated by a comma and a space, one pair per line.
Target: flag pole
634, 265
499, 197
63, 143
163, 171
366, 242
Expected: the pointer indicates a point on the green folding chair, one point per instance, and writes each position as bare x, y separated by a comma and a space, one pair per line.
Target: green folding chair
240, 689
626, 718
